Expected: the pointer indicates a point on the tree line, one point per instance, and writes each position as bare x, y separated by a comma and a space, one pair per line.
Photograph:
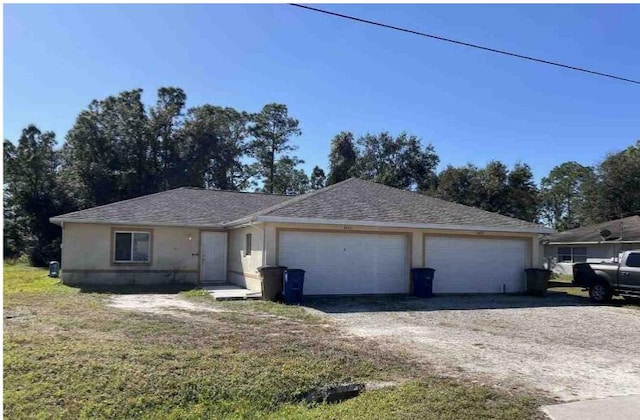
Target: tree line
118, 149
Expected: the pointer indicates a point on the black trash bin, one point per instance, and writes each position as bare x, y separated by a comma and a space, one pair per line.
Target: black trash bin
271, 284
537, 281
293, 285
422, 280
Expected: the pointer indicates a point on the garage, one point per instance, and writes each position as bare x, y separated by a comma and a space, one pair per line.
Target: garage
338, 263
476, 265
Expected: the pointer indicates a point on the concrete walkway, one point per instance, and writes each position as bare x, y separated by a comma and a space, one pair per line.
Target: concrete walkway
619, 408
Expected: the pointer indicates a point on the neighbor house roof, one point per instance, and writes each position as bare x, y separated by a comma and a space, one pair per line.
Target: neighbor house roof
356, 200
184, 206
626, 229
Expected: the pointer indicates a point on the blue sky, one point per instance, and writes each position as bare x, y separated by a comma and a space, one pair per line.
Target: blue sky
336, 75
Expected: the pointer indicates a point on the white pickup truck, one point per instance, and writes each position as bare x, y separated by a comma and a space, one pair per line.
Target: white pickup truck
607, 279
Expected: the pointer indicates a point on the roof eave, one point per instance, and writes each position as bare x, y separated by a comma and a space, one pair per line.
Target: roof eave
59, 221
591, 242
301, 220
239, 222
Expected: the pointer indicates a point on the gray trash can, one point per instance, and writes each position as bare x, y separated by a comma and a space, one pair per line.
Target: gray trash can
54, 269
271, 281
537, 281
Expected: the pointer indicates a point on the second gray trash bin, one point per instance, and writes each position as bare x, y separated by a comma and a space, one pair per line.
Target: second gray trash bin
271, 281
537, 281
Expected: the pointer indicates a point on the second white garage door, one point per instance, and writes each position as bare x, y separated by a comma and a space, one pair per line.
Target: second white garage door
470, 265
347, 263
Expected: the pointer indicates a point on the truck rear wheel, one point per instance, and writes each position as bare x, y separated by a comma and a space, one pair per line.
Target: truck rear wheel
600, 292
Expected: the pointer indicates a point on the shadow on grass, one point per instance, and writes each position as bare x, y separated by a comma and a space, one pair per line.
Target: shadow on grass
553, 283
130, 289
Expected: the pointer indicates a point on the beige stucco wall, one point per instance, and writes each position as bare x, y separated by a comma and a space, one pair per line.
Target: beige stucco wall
87, 251
243, 269
87, 255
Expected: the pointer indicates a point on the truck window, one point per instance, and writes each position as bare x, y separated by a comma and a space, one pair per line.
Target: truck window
633, 260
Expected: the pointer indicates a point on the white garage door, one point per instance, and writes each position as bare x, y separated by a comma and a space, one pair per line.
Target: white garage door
347, 263
469, 265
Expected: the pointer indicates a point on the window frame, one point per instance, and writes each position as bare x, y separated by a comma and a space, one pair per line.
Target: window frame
248, 244
132, 232
572, 254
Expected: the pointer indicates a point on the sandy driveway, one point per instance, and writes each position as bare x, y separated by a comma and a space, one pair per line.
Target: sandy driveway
555, 344
160, 304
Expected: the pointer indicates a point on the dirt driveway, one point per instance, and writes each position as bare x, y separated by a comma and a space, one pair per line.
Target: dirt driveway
558, 345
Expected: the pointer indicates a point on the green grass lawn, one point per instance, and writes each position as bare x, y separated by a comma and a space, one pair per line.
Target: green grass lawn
68, 355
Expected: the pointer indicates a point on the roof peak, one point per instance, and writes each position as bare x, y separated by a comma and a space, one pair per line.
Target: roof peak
233, 191
361, 199
298, 198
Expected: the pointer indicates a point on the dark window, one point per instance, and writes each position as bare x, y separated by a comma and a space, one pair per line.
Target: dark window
564, 254
579, 254
579, 258
132, 246
123, 246
247, 250
140, 247
633, 260
570, 254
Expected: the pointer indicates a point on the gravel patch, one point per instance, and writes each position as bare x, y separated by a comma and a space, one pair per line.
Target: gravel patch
557, 345
160, 304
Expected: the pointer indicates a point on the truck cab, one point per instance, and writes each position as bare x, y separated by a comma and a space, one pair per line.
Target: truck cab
604, 280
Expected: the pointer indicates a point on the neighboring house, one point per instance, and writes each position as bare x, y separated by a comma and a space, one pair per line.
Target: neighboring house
593, 243
354, 237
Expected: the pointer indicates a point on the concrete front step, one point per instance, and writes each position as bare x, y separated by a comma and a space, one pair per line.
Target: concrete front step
231, 292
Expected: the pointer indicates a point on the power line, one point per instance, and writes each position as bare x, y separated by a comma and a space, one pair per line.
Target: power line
466, 44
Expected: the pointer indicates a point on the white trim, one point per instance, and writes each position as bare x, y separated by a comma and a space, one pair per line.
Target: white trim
240, 223
57, 220
304, 220
307, 220
592, 243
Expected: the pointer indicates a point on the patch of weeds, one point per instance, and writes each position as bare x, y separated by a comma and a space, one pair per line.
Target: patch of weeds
422, 399
127, 289
272, 308
198, 294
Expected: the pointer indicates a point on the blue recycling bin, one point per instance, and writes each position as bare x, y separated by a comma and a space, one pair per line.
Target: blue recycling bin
293, 284
422, 279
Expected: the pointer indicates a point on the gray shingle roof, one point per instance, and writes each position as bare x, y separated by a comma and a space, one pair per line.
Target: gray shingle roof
182, 206
359, 200
627, 229
353, 200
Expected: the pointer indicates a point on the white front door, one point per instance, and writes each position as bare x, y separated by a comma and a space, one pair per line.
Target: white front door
347, 263
476, 265
213, 256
